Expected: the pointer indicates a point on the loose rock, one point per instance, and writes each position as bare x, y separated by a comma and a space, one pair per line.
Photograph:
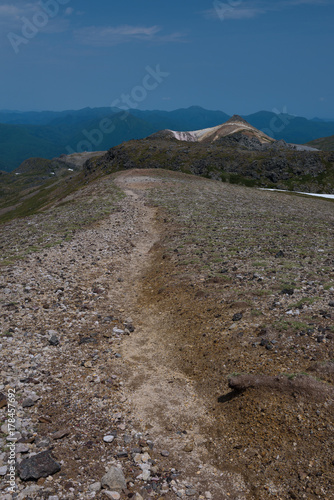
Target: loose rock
114, 479
60, 434
3, 470
28, 402
237, 317
54, 340
95, 486
108, 439
3, 400
40, 465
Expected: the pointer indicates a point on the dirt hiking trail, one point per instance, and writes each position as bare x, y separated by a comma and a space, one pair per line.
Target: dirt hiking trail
164, 400
182, 336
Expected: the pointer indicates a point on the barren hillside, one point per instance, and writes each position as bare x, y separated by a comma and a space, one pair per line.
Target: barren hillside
169, 336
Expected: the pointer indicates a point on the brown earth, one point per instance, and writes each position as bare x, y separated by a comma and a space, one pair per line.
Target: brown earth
277, 436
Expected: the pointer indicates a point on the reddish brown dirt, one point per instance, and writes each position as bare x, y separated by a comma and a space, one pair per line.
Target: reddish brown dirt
277, 439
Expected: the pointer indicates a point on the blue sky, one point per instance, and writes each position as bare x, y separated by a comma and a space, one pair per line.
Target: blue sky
235, 56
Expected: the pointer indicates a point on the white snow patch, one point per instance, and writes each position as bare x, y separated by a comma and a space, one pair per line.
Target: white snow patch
301, 147
319, 195
199, 135
184, 136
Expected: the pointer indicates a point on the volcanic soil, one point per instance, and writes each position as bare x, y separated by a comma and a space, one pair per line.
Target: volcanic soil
192, 321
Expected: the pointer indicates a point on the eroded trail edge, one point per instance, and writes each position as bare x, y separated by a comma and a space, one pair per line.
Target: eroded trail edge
165, 401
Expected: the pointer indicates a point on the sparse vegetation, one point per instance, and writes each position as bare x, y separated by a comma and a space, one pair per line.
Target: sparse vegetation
36, 229
211, 290
225, 160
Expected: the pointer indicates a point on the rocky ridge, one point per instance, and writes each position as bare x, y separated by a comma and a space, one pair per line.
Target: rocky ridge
120, 341
63, 322
236, 156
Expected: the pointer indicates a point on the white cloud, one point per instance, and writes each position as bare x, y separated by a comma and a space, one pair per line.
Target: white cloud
310, 2
247, 10
11, 16
69, 11
8, 10
110, 35
57, 25
173, 37
225, 11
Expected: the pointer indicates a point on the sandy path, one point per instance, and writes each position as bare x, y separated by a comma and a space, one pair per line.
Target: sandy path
163, 399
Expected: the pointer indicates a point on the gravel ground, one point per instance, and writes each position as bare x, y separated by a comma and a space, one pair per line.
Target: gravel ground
121, 340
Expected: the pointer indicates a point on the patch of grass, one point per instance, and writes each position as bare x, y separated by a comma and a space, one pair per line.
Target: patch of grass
6, 334
289, 265
298, 325
285, 325
281, 326
262, 293
256, 312
303, 301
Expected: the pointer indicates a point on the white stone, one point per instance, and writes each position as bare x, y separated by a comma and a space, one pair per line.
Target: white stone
108, 439
28, 491
137, 458
21, 448
117, 330
112, 494
95, 486
145, 457
145, 475
3, 470
33, 396
145, 466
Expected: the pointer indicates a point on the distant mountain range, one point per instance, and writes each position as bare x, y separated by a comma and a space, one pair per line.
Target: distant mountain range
234, 152
49, 134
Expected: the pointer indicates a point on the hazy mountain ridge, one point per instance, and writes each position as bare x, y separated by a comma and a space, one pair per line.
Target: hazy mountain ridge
39, 182
324, 143
53, 133
67, 135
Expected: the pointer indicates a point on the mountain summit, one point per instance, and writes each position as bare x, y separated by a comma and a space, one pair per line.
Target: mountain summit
234, 125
